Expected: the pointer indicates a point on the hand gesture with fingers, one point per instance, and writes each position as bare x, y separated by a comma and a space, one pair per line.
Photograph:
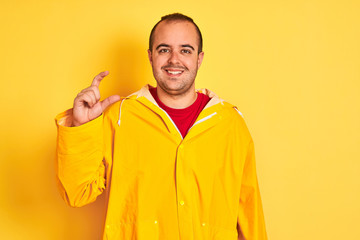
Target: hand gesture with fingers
87, 104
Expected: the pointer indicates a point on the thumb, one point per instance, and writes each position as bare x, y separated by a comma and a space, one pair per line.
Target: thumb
108, 101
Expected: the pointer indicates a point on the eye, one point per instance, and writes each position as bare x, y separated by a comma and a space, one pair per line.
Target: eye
185, 51
164, 50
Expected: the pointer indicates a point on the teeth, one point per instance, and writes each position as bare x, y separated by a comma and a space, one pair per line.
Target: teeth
174, 72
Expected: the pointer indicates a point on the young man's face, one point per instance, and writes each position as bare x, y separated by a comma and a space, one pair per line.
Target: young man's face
174, 57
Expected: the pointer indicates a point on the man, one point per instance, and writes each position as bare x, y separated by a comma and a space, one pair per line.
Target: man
175, 162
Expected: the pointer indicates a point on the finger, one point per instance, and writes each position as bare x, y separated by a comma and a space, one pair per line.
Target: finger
83, 99
93, 90
98, 78
90, 95
108, 101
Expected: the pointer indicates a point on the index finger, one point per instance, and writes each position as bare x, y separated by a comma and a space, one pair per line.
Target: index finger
98, 78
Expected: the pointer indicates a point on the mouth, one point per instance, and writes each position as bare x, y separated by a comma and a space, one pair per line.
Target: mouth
174, 72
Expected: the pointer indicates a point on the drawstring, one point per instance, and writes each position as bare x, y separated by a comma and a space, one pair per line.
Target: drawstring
238, 111
120, 111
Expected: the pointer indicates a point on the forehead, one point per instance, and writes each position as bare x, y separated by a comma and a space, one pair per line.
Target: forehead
176, 33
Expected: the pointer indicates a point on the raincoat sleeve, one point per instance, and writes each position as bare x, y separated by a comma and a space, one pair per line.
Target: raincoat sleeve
251, 224
81, 169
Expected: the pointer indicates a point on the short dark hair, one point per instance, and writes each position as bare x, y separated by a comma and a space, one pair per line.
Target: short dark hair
176, 17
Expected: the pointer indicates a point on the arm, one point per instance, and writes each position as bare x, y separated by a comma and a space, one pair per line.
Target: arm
251, 224
81, 168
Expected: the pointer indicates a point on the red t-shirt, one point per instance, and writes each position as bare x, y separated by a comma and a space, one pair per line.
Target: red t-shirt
183, 118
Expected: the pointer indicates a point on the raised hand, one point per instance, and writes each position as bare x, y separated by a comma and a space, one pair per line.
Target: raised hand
87, 104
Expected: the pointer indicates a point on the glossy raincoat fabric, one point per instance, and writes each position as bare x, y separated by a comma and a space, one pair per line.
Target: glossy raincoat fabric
159, 185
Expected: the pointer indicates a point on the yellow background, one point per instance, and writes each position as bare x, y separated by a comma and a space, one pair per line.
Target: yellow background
292, 68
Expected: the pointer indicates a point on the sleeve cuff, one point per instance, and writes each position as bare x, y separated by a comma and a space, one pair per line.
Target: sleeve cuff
73, 140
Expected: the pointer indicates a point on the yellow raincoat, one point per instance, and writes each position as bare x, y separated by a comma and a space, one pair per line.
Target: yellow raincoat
159, 185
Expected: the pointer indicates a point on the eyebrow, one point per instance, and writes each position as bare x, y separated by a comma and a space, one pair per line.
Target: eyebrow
188, 46
162, 45
167, 45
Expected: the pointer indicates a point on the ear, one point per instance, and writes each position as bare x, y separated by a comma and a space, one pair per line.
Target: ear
150, 56
200, 59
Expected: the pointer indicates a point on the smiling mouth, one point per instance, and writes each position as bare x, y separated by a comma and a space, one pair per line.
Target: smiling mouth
173, 72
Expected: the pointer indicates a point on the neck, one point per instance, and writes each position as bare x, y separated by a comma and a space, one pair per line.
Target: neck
177, 101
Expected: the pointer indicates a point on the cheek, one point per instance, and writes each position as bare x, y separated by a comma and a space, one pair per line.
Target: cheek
159, 62
192, 64
155, 65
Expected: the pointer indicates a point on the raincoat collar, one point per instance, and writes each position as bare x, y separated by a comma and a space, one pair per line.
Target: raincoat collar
144, 92
212, 113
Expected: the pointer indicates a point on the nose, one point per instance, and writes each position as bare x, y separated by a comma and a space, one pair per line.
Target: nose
174, 58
